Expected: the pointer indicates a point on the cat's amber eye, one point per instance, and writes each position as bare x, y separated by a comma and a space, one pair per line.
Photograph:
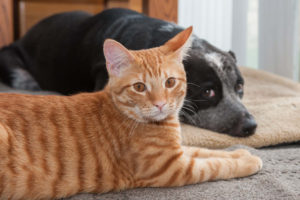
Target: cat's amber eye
170, 82
140, 87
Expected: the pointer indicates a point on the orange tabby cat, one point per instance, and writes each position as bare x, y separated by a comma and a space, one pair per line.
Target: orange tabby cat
126, 136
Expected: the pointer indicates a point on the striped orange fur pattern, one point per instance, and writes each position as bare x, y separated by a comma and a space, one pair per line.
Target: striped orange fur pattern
126, 136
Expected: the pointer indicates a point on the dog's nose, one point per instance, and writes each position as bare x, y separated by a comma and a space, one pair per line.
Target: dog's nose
249, 125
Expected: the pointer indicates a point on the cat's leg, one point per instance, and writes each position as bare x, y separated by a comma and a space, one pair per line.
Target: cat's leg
197, 152
179, 170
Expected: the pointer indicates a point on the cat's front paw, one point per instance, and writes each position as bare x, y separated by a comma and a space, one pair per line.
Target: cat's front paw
252, 164
239, 153
258, 161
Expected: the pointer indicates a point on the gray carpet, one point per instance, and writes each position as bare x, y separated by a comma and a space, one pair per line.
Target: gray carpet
278, 180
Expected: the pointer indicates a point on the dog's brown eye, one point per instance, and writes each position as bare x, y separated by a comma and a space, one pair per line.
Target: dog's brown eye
239, 88
170, 82
209, 93
140, 87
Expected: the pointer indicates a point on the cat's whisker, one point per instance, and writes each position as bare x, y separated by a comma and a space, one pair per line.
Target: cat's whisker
188, 101
189, 109
190, 83
189, 106
192, 111
201, 100
188, 117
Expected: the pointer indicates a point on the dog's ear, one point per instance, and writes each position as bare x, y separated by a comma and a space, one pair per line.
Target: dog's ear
232, 55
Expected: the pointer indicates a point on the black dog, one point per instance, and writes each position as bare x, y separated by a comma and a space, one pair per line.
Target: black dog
64, 53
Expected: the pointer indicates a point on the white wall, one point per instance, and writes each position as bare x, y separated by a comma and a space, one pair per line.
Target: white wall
221, 22
225, 24
239, 30
278, 37
212, 20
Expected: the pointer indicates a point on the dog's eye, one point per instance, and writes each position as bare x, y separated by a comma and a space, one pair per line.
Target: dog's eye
239, 88
208, 93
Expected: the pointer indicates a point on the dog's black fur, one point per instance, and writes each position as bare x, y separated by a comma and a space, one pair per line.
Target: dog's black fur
64, 53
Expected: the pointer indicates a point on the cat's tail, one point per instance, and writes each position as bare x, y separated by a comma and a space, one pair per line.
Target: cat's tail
13, 71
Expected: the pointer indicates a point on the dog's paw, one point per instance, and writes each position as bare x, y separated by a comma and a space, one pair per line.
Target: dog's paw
22, 80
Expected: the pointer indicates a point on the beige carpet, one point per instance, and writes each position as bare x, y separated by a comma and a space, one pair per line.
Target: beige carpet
275, 103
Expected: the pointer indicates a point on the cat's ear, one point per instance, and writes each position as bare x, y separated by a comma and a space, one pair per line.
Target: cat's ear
179, 45
117, 57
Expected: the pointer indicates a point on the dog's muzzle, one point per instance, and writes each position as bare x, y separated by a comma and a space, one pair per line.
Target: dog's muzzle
246, 126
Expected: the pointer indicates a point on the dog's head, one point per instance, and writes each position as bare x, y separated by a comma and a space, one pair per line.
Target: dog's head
215, 90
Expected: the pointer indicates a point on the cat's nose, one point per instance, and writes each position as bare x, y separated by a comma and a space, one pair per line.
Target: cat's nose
159, 104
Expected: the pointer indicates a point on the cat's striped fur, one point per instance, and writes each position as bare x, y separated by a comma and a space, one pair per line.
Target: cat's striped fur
55, 146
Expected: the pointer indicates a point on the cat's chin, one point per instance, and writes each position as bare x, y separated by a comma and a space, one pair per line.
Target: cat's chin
156, 118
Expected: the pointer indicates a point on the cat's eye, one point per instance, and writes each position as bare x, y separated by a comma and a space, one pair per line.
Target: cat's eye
170, 82
139, 87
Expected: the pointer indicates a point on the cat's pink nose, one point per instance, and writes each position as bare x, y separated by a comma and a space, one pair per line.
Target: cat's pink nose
159, 104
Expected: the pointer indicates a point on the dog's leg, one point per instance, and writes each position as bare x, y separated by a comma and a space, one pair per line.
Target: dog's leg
13, 73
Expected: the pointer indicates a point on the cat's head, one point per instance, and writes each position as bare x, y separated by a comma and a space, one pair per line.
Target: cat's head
148, 85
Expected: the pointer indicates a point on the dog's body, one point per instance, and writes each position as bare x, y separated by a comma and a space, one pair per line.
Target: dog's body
64, 53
